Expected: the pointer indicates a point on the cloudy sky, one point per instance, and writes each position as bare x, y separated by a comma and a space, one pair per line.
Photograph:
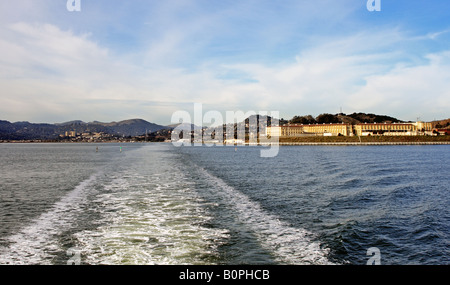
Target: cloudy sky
117, 60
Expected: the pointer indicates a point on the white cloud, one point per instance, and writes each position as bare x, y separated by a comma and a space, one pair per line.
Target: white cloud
51, 74
45, 70
413, 91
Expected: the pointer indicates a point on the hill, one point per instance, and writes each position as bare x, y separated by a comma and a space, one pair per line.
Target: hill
30, 131
441, 124
355, 118
133, 127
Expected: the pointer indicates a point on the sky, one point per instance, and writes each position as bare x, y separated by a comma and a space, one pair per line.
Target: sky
116, 60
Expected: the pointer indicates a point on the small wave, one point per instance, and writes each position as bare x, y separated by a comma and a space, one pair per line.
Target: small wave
288, 244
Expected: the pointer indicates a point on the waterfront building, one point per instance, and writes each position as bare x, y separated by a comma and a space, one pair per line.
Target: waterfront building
392, 129
329, 129
300, 130
372, 129
364, 129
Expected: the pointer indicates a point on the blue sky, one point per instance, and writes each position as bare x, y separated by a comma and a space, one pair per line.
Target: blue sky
117, 60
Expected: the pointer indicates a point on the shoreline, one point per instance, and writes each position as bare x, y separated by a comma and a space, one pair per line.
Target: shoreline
254, 144
364, 143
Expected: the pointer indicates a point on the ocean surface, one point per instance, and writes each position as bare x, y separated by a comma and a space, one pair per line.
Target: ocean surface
160, 204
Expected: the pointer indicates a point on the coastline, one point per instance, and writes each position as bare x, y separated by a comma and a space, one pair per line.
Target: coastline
252, 144
364, 143
315, 141
367, 140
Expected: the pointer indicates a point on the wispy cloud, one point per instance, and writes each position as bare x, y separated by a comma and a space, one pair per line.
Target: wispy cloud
435, 35
150, 59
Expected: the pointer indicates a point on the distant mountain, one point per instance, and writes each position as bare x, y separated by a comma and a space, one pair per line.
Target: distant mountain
76, 122
133, 127
28, 131
185, 126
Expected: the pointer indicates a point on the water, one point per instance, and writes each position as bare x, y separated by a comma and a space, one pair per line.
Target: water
158, 204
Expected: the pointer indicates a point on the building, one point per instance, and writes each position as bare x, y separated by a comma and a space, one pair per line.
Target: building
373, 129
329, 129
393, 129
365, 129
71, 134
442, 132
424, 126
299, 130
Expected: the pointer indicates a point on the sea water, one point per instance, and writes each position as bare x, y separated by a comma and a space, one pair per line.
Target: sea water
160, 204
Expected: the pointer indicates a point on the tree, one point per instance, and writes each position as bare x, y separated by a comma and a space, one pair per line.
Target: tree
303, 120
327, 119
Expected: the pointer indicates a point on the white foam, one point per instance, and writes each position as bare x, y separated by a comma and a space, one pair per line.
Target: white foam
34, 243
288, 244
150, 221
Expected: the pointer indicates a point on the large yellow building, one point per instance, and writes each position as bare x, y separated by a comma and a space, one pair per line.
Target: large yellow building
393, 129
366, 129
310, 130
329, 129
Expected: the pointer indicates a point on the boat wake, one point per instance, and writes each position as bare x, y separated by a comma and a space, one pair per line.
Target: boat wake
35, 243
289, 245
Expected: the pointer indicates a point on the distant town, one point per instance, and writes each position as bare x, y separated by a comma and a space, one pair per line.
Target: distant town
79, 131
97, 137
100, 137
